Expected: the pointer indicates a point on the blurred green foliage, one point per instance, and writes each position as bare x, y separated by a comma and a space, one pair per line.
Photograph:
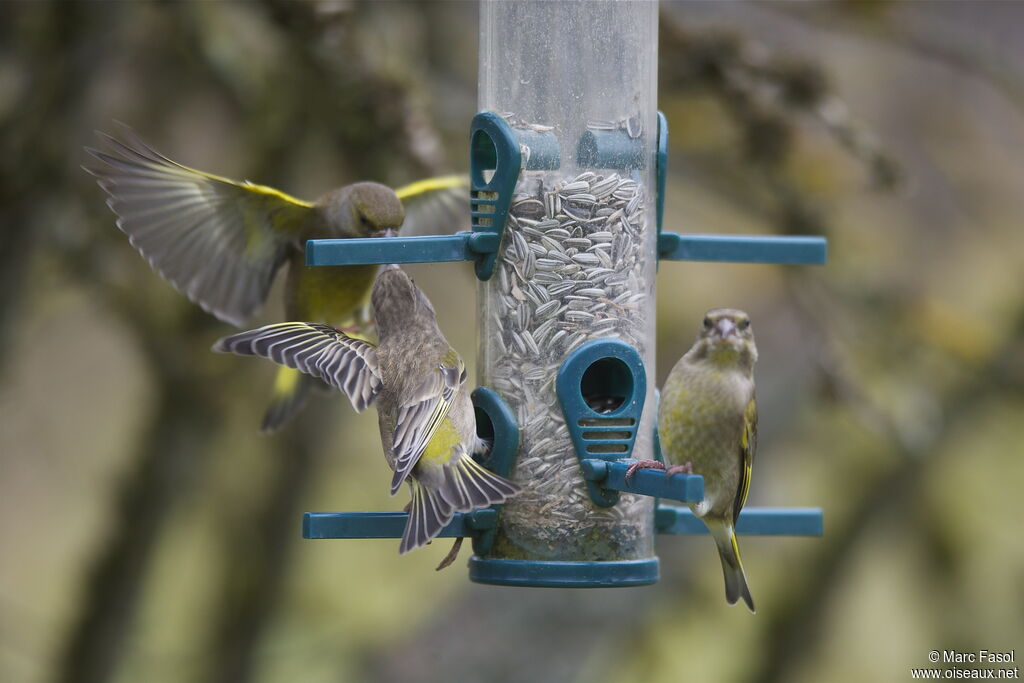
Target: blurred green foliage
147, 532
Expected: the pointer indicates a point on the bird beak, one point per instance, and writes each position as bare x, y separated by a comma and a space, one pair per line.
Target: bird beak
390, 266
386, 233
725, 328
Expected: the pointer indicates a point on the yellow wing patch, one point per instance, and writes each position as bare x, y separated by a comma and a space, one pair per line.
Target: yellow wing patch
218, 241
748, 445
441, 447
421, 187
436, 206
271, 192
286, 381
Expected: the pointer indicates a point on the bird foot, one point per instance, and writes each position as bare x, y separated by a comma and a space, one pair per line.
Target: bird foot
452, 554
685, 468
653, 464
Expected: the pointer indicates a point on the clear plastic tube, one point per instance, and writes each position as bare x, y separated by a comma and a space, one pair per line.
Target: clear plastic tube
578, 257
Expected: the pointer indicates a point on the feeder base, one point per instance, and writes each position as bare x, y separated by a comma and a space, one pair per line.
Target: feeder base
542, 574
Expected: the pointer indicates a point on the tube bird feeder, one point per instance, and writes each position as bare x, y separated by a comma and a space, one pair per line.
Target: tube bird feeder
568, 157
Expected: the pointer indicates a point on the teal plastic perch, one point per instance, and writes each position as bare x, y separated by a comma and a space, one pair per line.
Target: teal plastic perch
648, 482
669, 519
471, 246
462, 246
796, 250
753, 521
388, 524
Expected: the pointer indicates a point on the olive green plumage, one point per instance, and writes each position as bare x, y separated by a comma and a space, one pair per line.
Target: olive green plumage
222, 242
426, 418
708, 419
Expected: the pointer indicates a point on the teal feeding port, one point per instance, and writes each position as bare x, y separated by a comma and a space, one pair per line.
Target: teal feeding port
601, 387
496, 424
494, 163
568, 160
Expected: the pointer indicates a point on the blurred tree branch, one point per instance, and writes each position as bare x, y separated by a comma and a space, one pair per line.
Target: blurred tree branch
769, 98
938, 42
371, 119
893, 490
33, 159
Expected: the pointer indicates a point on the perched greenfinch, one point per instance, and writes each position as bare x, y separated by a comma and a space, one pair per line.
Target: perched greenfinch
426, 418
707, 422
221, 242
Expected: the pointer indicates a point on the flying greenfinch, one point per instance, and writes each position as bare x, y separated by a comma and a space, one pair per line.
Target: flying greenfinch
426, 418
221, 242
707, 422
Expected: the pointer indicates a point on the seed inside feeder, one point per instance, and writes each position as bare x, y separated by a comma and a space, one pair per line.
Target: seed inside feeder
573, 259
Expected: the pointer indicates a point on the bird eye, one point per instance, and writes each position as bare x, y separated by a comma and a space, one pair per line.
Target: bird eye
743, 324
707, 323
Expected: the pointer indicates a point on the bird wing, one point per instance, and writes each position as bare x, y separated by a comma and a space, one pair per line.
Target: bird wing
748, 445
421, 414
345, 363
217, 241
435, 205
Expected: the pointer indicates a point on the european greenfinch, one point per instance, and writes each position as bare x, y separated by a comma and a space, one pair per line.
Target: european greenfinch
707, 422
426, 418
221, 242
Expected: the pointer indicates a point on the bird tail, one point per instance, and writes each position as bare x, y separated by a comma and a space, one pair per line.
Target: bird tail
468, 485
430, 513
729, 552
291, 389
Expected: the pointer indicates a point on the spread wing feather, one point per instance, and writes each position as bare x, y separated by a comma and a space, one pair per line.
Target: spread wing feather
436, 206
348, 364
218, 241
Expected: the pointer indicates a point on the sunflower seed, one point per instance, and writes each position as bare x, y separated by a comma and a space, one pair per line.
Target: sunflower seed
576, 186
577, 243
550, 307
572, 269
578, 316
531, 345
586, 259
559, 256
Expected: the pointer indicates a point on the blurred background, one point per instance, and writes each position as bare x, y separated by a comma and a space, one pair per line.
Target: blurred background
149, 533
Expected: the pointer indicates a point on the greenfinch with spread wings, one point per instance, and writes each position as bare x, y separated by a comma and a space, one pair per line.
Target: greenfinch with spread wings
222, 242
418, 381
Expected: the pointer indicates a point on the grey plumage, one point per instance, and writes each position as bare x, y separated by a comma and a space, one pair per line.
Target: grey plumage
426, 418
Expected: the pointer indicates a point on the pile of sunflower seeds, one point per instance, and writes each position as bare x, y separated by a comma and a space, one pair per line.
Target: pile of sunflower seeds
574, 266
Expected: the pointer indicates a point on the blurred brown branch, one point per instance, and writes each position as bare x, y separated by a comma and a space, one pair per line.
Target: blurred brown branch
769, 98
891, 491
371, 119
940, 39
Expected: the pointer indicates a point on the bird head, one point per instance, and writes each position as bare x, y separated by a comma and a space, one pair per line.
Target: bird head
398, 303
362, 210
726, 338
